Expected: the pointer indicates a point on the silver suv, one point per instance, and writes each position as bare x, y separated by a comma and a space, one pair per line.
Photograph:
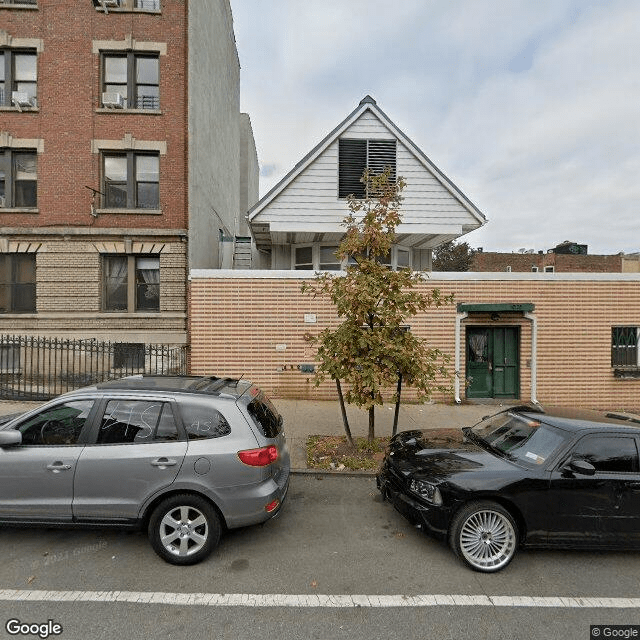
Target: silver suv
182, 456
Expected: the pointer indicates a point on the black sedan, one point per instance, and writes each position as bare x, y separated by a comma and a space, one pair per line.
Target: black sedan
525, 476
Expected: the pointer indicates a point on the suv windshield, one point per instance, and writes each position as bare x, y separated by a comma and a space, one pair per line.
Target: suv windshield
518, 437
266, 417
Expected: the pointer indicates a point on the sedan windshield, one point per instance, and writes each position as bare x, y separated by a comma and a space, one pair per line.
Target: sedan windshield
518, 437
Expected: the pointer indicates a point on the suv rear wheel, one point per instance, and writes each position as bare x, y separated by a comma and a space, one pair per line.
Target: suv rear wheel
184, 529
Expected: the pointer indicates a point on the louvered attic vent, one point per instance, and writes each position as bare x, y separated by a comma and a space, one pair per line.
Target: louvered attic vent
355, 155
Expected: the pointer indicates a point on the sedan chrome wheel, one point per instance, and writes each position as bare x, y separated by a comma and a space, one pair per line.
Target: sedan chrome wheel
184, 529
485, 536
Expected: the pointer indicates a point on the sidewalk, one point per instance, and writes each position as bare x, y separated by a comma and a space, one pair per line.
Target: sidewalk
303, 418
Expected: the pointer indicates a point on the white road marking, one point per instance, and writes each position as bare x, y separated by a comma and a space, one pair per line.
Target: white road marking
316, 600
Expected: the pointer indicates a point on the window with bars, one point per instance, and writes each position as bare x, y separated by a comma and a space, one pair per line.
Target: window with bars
354, 156
18, 78
18, 283
18, 179
624, 347
131, 283
131, 180
133, 76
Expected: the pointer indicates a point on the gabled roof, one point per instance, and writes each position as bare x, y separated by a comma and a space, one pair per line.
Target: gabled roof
366, 104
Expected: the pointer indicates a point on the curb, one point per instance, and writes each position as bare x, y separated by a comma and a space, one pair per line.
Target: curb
329, 472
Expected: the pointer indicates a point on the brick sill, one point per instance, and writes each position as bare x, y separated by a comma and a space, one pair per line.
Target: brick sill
12, 210
32, 7
137, 112
5, 109
130, 212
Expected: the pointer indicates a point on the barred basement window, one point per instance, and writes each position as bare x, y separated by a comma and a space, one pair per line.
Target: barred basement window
624, 347
354, 156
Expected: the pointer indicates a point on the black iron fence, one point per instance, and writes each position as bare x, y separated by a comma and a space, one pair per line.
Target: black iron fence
37, 368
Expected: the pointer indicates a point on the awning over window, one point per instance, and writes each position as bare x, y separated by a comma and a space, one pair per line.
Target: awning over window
498, 307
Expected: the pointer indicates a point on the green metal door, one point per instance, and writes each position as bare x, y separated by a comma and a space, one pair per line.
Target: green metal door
493, 365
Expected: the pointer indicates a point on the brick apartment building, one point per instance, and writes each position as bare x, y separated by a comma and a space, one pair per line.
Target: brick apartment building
124, 161
567, 257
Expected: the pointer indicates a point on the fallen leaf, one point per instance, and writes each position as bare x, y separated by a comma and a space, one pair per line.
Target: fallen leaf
30, 579
314, 584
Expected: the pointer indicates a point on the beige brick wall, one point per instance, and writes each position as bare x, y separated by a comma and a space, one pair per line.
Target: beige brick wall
238, 324
69, 293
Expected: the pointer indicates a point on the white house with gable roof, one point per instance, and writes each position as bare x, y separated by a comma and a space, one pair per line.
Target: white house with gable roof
298, 224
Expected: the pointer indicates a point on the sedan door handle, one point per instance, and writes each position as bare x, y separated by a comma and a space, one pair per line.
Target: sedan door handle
164, 462
56, 467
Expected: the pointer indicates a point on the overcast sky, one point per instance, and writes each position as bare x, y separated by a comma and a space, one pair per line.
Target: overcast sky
531, 107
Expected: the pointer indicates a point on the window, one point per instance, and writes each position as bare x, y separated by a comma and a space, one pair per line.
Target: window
549, 269
58, 425
10, 358
133, 76
131, 180
203, 421
608, 454
137, 422
319, 257
18, 179
128, 356
131, 283
303, 258
354, 156
18, 283
534, 269
624, 347
18, 78
127, 5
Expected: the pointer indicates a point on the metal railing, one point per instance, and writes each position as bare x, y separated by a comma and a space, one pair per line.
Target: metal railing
37, 368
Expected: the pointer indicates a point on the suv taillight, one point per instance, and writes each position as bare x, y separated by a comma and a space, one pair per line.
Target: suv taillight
259, 457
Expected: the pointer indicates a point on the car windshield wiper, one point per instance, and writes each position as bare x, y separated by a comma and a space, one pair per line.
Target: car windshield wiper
474, 437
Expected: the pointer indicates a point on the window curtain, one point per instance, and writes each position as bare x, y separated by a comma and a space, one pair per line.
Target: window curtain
478, 344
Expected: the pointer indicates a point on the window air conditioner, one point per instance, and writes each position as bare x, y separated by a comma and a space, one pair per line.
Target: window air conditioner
21, 99
110, 3
2, 202
112, 100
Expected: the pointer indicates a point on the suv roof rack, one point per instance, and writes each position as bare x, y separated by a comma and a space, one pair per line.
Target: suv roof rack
182, 383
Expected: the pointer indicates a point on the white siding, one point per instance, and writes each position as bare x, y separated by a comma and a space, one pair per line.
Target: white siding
313, 195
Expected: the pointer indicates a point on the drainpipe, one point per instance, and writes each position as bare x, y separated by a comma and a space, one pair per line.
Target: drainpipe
456, 383
534, 356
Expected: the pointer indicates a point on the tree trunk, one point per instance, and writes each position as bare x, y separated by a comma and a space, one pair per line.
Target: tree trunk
397, 412
372, 428
345, 420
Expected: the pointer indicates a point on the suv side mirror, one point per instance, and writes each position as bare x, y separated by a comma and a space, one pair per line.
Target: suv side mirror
10, 437
582, 467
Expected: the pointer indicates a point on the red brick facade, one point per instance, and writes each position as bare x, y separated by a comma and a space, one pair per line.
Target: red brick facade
489, 261
69, 116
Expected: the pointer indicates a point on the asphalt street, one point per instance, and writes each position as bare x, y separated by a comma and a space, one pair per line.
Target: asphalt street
343, 563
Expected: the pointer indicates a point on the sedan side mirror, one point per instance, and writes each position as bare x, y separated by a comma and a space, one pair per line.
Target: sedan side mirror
582, 467
10, 437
